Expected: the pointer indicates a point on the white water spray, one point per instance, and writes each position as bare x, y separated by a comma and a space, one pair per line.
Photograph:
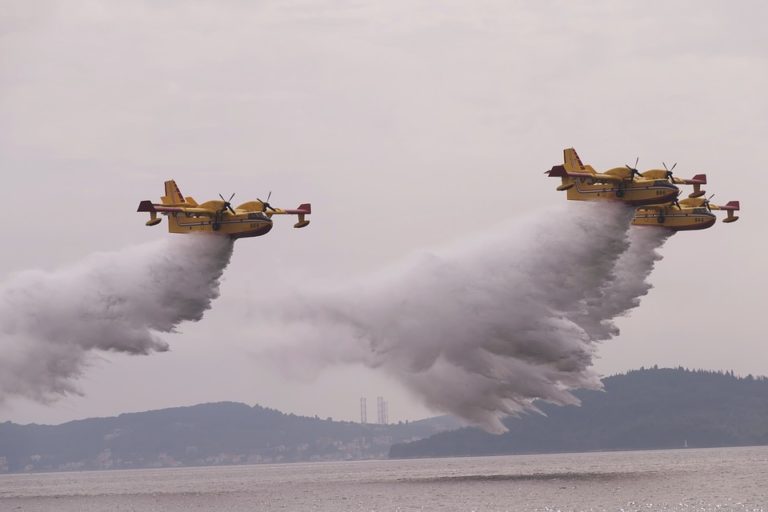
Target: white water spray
483, 330
51, 322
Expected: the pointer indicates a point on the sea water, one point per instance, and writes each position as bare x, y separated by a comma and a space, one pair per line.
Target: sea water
723, 479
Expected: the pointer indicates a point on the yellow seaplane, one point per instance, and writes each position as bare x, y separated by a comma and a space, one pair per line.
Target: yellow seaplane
185, 215
687, 214
625, 184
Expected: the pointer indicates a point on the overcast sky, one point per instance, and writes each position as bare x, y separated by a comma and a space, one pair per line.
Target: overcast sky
408, 125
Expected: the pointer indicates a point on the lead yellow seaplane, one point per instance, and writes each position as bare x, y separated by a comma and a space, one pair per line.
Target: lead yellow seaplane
185, 215
687, 214
625, 184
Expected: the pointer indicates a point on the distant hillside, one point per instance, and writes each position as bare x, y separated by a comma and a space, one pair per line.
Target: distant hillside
207, 434
643, 409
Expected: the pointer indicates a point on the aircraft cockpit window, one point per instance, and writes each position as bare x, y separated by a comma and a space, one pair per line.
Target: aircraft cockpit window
699, 210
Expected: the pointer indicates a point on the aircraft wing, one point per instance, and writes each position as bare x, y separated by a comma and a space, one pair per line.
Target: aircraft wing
699, 179
305, 209
605, 178
148, 206
559, 171
731, 205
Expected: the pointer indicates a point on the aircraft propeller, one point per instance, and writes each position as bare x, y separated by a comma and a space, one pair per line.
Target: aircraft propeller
266, 203
227, 204
669, 171
706, 202
633, 170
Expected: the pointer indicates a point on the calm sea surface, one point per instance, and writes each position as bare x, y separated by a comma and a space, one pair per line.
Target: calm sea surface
687, 480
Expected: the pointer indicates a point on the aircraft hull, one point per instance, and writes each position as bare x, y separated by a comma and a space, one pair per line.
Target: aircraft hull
234, 226
674, 220
634, 194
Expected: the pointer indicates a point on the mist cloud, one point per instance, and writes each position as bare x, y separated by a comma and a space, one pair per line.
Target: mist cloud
482, 330
51, 322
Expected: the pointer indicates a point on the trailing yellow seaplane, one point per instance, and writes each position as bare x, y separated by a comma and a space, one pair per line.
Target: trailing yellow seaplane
625, 184
253, 218
687, 214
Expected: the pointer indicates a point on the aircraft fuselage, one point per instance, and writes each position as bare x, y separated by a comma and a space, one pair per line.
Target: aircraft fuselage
676, 219
240, 225
636, 193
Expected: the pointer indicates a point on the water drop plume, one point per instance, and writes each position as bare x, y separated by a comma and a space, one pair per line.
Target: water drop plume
485, 328
52, 322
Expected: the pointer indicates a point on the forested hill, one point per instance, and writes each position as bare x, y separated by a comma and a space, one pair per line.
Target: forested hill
643, 409
201, 435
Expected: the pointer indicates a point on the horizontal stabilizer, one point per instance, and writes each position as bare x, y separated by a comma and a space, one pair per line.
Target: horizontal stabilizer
146, 206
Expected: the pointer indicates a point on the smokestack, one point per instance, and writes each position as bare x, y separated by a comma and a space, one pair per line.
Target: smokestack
382, 411
363, 411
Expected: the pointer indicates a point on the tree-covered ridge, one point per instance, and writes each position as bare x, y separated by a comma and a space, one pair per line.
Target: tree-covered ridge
643, 409
206, 434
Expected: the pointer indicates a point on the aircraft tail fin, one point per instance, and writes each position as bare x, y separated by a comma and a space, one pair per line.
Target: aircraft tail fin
172, 194
571, 165
572, 162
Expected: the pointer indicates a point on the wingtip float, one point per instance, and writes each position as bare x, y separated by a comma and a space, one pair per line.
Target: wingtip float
654, 193
185, 215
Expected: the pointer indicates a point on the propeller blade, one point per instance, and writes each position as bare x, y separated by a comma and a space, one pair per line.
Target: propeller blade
633, 170
266, 204
670, 176
227, 205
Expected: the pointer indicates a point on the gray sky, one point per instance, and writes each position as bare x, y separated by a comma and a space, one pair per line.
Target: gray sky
408, 125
